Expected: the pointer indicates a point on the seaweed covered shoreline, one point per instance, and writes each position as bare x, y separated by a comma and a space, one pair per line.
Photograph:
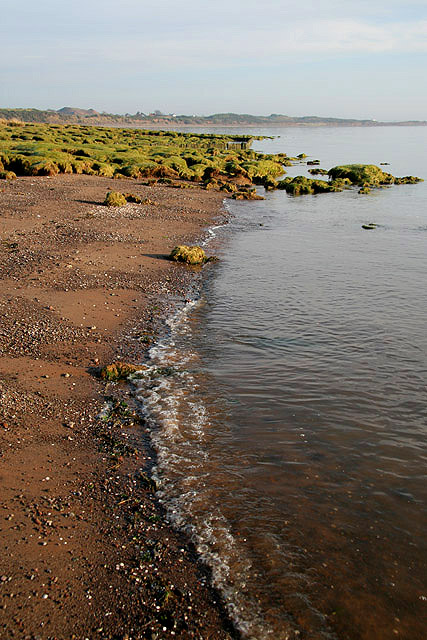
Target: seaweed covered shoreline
86, 549
222, 163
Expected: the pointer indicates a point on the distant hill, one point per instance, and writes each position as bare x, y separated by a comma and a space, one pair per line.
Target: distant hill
72, 115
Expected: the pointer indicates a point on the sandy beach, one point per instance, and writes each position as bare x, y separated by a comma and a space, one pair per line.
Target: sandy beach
86, 551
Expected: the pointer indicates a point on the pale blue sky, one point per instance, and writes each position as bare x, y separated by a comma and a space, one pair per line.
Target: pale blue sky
364, 59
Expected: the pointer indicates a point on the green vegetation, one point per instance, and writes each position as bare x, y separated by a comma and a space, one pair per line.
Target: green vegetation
301, 185
343, 177
368, 175
220, 162
165, 156
364, 175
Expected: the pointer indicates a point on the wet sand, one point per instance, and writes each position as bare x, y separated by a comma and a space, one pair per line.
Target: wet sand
86, 552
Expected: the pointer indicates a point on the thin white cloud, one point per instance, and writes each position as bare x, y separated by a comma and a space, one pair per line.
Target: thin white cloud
88, 49
196, 34
269, 45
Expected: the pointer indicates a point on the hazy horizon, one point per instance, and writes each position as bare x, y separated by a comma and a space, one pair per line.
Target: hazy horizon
206, 115
314, 59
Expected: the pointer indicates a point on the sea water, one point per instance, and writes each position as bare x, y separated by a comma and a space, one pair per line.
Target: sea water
288, 400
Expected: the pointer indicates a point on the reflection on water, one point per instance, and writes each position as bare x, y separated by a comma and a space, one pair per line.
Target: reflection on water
292, 432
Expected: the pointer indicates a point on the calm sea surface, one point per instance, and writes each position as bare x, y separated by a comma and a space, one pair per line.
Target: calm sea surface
291, 431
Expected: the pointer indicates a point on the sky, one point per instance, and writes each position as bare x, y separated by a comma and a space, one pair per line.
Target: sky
340, 58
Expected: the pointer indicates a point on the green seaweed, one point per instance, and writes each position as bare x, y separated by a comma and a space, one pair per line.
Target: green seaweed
190, 255
363, 175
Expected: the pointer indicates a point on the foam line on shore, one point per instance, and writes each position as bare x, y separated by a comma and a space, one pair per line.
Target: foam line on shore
180, 423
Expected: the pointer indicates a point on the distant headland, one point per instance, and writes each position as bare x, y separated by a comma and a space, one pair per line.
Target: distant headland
71, 115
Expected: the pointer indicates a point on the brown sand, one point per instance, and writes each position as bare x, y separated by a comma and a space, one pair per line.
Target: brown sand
86, 552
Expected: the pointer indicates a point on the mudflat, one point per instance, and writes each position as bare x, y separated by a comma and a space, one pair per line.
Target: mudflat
86, 551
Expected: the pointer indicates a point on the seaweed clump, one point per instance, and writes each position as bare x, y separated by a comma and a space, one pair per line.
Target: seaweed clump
301, 185
118, 371
364, 175
7, 175
318, 171
368, 175
131, 197
342, 177
189, 255
114, 199
408, 180
246, 194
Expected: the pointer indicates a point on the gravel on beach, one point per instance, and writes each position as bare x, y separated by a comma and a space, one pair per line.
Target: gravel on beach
86, 550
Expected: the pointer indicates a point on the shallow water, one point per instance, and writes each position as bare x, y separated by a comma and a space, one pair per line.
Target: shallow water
291, 424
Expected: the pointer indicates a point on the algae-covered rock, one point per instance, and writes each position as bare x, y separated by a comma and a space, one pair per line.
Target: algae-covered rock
159, 171
44, 168
246, 195
229, 187
7, 175
269, 184
189, 255
212, 173
296, 186
131, 197
115, 199
369, 226
408, 180
340, 184
369, 175
364, 175
318, 172
364, 190
119, 371
300, 185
